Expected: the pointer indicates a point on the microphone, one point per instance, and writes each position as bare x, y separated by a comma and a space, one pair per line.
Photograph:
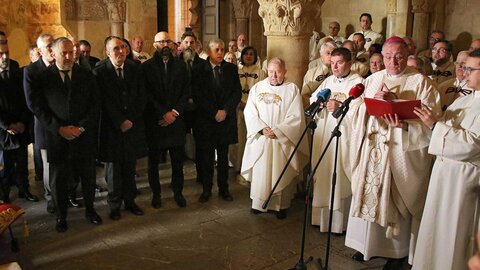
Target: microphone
355, 92
322, 96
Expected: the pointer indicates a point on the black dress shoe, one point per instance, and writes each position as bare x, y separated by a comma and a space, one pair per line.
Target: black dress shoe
156, 202
204, 197
50, 207
72, 202
255, 211
394, 264
358, 256
29, 196
134, 209
180, 200
93, 217
282, 214
115, 214
226, 196
61, 225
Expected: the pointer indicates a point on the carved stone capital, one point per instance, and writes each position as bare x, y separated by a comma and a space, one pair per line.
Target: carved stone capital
391, 6
289, 17
242, 8
94, 10
116, 10
421, 6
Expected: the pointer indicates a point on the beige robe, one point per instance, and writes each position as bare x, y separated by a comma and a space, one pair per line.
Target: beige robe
312, 80
249, 76
280, 108
323, 176
442, 73
451, 89
447, 222
360, 68
390, 169
371, 37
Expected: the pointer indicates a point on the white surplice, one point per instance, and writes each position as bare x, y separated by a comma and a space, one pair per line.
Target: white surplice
340, 88
447, 222
452, 89
280, 108
390, 169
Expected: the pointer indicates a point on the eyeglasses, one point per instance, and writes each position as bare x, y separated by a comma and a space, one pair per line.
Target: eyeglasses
442, 50
468, 70
390, 57
163, 41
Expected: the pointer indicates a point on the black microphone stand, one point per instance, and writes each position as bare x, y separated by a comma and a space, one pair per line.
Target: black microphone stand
301, 264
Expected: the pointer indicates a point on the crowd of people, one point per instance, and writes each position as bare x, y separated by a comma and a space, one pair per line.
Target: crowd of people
404, 186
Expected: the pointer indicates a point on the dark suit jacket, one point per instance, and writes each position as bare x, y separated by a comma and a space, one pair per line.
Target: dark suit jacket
209, 99
30, 75
56, 106
13, 108
165, 92
122, 99
88, 63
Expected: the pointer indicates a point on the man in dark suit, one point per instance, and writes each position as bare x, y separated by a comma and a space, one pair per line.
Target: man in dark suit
30, 77
216, 94
86, 59
193, 63
14, 121
122, 134
165, 83
65, 100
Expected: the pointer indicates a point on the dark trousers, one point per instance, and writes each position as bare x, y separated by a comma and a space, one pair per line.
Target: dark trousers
177, 158
207, 164
121, 183
37, 161
15, 170
62, 174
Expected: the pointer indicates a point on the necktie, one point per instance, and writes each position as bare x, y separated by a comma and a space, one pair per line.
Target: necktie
5, 75
120, 73
216, 72
66, 78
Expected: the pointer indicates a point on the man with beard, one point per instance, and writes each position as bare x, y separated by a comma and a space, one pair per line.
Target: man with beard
165, 84
65, 100
443, 68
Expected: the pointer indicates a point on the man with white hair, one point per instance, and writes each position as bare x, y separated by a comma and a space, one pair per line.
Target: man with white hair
30, 76
274, 119
315, 76
390, 163
456, 87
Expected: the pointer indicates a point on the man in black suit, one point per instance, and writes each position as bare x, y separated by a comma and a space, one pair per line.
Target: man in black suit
65, 100
86, 59
14, 122
165, 83
30, 77
216, 94
122, 134
193, 63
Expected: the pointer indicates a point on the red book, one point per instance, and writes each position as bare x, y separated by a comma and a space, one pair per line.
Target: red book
403, 108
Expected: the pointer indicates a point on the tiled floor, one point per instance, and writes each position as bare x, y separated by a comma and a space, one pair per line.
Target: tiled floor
214, 235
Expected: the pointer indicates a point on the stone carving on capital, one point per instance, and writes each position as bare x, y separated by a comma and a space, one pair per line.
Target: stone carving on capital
242, 8
289, 17
195, 16
391, 6
94, 10
422, 6
116, 10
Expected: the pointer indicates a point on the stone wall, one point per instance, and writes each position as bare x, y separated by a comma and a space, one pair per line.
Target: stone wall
461, 22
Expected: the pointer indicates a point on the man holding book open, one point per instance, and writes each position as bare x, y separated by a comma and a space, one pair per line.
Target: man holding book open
390, 162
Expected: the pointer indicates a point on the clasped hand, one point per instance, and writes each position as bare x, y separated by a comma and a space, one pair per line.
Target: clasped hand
70, 132
268, 132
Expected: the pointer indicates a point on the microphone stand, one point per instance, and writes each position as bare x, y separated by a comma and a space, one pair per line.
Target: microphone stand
301, 264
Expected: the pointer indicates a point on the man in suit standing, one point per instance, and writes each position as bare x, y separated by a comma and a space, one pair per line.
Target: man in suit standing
14, 122
65, 100
121, 126
165, 83
85, 58
216, 95
30, 77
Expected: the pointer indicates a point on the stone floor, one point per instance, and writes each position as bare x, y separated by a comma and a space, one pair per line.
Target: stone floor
214, 235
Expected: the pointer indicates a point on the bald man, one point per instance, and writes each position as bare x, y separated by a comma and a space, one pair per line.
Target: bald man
137, 49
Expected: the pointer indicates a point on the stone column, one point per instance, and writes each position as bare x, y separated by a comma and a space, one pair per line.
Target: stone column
420, 9
242, 9
288, 27
391, 17
116, 10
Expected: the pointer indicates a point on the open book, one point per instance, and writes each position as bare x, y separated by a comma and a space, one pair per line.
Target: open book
403, 108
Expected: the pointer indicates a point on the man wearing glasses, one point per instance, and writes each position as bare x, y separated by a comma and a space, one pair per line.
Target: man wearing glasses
434, 36
448, 219
390, 163
443, 68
